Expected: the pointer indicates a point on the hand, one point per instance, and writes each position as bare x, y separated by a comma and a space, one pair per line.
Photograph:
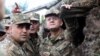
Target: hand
67, 6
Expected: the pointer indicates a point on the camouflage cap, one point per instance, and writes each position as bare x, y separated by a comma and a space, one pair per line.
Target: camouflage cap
6, 22
52, 12
35, 17
19, 18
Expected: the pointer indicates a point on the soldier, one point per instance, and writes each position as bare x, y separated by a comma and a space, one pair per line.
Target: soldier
6, 24
33, 43
19, 33
58, 41
74, 12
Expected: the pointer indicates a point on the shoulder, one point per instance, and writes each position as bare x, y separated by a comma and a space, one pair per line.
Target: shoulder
5, 46
67, 34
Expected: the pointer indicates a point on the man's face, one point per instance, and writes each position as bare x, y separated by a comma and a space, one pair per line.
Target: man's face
20, 32
53, 22
34, 27
1, 9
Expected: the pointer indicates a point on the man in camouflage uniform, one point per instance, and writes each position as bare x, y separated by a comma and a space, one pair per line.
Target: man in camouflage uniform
5, 27
33, 43
58, 41
74, 12
19, 33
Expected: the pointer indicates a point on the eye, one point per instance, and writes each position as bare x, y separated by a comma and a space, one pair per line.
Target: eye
48, 19
25, 25
55, 18
20, 26
34, 22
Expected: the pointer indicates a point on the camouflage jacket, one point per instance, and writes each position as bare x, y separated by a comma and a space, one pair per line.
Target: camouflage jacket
8, 47
61, 46
32, 45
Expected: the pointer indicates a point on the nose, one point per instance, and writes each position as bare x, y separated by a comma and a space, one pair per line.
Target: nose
51, 20
24, 29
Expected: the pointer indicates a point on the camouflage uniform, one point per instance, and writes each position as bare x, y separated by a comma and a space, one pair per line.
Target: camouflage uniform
32, 45
60, 46
9, 47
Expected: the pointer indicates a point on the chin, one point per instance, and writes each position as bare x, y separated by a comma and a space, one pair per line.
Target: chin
33, 32
23, 40
53, 27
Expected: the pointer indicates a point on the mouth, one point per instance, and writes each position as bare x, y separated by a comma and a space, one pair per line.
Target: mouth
24, 35
52, 24
32, 29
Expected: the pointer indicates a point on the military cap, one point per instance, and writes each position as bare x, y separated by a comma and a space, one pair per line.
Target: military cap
52, 12
6, 22
19, 18
35, 17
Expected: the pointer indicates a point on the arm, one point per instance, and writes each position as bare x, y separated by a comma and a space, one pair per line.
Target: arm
82, 4
85, 3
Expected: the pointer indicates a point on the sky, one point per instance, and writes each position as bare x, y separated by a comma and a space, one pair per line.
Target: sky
30, 4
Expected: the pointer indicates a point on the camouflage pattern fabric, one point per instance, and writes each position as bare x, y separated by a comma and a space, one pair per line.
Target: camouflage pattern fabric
60, 46
8, 47
19, 18
91, 44
82, 3
32, 45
